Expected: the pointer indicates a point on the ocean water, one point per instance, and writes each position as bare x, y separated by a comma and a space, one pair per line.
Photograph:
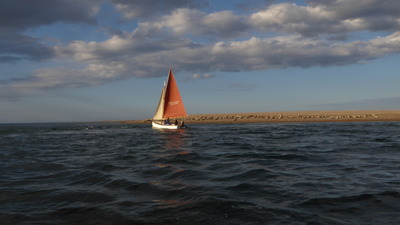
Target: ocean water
298, 173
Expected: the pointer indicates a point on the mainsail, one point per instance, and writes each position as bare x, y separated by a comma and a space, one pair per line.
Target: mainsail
170, 104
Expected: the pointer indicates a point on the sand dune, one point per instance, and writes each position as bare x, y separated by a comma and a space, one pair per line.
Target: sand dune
285, 117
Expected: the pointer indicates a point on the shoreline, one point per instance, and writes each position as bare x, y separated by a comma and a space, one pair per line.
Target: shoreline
288, 117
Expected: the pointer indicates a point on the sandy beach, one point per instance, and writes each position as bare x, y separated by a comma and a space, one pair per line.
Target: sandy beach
288, 117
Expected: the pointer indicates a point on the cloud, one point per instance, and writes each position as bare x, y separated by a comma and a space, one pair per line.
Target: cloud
55, 78
357, 9
21, 15
297, 51
198, 76
182, 19
317, 18
182, 22
202, 76
15, 47
329, 17
225, 24
45, 79
122, 58
144, 9
181, 36
18, 16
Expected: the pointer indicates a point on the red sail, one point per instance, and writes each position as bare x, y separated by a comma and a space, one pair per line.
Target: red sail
173, 102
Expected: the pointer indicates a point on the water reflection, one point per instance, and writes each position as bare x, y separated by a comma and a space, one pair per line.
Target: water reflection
173, 139
173, 145
172, 160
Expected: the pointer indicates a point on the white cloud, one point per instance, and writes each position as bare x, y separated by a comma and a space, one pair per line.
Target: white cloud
186, 21
144, 9
317, 18
329, 17
183, 21
225, 24
290, 18
202, 76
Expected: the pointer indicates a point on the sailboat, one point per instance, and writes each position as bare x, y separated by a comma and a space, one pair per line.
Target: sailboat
170, 106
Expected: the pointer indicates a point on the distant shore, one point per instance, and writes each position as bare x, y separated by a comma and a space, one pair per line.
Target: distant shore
289, 117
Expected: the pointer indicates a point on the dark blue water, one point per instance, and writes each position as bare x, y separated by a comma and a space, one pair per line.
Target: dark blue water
301, 173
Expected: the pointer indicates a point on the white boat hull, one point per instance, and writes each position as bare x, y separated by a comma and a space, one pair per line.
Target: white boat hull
165, 126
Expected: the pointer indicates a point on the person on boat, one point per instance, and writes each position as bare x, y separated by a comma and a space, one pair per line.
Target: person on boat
183, 124
167, 121
176, 122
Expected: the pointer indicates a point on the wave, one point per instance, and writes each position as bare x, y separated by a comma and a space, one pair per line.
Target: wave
211, 174
377, 208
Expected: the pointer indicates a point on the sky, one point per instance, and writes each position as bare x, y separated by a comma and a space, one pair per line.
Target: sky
96, 60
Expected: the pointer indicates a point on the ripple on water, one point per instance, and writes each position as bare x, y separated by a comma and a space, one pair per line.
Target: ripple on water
331, 173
